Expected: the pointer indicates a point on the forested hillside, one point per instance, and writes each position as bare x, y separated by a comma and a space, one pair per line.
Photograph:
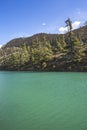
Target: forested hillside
47, 52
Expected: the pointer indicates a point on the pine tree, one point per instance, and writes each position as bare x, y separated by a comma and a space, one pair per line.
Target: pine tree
75, 49
41, 52
76, 52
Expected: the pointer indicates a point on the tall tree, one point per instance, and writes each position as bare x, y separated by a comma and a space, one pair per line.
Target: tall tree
75, 49
69, 26
40, 53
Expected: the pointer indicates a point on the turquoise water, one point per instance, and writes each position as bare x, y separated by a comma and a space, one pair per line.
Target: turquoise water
43, 101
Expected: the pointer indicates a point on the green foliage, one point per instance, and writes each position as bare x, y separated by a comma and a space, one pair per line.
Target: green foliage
77, 49
40, 51
44, 53
44, 65
69, 25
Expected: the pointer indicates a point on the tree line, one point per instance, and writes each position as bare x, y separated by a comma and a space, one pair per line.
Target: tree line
41, 55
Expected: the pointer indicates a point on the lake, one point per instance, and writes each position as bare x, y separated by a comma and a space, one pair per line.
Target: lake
43, 101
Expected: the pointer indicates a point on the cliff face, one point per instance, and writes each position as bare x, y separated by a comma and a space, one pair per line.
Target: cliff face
46, 52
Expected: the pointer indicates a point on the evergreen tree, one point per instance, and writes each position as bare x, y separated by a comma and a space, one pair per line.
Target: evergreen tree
40, 52
75, 49
69, 26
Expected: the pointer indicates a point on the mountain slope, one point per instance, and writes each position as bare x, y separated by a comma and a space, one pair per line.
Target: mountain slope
47, 52
81, 32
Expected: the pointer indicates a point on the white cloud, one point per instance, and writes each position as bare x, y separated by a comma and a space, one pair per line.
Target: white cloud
63, 29
0, 46
75, 25
44, 24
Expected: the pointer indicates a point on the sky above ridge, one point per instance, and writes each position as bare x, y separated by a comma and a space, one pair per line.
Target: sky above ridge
22, 18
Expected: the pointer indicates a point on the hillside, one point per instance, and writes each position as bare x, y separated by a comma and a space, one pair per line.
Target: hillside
81, 32
47, 52
28, 40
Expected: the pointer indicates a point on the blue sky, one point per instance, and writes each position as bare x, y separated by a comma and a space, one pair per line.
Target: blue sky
22, 18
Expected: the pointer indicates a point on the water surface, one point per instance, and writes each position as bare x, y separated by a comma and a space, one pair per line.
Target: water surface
43, 101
